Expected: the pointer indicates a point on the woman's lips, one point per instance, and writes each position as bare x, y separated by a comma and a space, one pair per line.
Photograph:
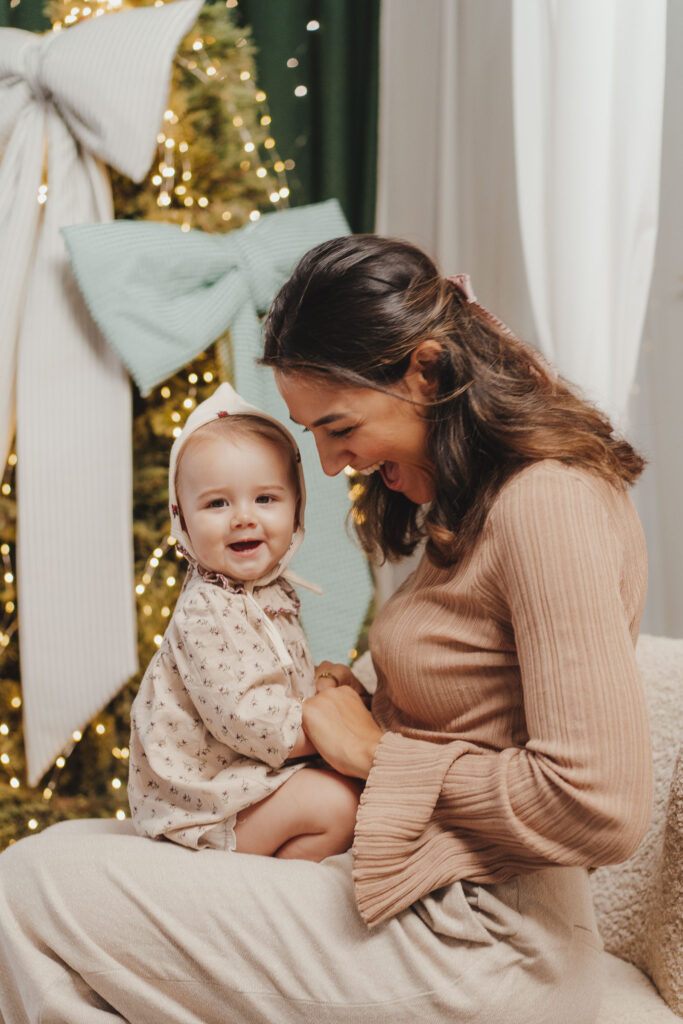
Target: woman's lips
391, 474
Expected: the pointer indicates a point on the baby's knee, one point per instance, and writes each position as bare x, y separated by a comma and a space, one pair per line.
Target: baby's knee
341, 803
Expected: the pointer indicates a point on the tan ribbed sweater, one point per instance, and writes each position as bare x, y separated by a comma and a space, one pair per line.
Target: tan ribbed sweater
517, 732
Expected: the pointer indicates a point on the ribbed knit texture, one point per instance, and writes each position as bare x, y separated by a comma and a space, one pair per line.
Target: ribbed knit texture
517, 732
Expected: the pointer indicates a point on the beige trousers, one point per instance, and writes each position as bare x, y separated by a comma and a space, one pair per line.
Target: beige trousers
99, 925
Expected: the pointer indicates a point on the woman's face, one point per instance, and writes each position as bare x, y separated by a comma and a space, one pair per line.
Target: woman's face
360, 427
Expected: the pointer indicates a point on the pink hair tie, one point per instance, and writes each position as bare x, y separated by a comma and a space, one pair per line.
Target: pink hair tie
463, 284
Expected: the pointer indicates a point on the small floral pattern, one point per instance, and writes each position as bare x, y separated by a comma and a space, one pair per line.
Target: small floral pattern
217, 714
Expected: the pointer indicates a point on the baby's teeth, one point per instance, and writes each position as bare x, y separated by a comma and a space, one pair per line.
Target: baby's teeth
370, 469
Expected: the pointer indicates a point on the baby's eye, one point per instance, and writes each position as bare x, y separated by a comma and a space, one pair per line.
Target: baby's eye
265, 499
217, 503
341, 433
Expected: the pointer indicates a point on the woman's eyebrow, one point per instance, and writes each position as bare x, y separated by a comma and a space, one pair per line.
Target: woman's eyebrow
323, 419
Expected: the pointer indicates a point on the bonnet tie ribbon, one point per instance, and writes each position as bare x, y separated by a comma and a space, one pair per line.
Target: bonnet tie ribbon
70, 102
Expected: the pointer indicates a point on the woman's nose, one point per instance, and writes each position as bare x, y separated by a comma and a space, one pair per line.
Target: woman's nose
332, 461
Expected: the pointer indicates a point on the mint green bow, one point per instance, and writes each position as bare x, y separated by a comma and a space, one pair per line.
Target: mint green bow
161, 296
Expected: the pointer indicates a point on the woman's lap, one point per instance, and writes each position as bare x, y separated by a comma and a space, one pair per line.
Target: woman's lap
100, 925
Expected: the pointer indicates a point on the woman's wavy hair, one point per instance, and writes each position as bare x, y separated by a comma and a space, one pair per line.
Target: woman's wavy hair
355, 309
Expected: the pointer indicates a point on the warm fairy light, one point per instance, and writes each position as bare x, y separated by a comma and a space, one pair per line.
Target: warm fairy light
161, 138
9, 578
76, 735
139, 589
208, 376
32, 824
290, 165
197, 45
4, 728
274, 197
15, 702
279, 166
165, 392
202, 201
254, 215
183, 147
175, 416
186, 175
146, 578
6, 489
170, 581
269, 143
121, 815
266, 120
284, 192
292, 62
4, 549
4, 758
9, 606
349, 470
99, 729
180, 190
177, 431
60, 762
245, 76
260, 96
12, 460
14, 782
189, 201
192, 378
165, 612
353, 654
154, 562
211, 71
116, 783
158, 639
188, 403
300, 90
237, 121
261, 172
47, 793
157, 179
147, 610
313, 26
245, 165
249, 147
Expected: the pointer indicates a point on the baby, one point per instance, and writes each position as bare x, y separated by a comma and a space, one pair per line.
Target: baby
216, 724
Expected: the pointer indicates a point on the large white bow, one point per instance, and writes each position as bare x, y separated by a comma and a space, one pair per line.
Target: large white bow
71, 102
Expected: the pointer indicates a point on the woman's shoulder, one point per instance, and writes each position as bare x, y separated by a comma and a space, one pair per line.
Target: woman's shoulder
551, 481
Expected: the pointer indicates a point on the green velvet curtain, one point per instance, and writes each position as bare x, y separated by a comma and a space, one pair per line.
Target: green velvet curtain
330, 132
27, 14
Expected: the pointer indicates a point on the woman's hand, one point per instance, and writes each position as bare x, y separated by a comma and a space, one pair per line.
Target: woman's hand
329, 674
342, 730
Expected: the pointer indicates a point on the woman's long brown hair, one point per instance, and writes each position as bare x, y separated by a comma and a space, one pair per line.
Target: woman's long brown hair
355, 309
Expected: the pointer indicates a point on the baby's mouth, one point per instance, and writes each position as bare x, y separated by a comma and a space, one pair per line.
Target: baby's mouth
245, 545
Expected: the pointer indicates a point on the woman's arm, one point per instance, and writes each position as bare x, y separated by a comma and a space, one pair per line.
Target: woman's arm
579, 790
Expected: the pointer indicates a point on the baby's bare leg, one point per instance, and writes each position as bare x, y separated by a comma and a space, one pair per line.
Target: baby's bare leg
310, 817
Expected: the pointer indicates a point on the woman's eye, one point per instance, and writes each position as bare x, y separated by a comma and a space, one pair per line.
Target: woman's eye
341, 433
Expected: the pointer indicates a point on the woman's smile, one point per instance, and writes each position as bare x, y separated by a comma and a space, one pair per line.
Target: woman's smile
365, 429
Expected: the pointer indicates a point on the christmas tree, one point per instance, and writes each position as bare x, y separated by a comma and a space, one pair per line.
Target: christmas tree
217, 167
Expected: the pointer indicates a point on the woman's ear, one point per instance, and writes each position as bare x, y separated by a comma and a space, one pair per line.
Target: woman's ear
422, 373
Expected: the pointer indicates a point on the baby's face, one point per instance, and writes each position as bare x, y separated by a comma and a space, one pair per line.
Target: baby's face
238, 503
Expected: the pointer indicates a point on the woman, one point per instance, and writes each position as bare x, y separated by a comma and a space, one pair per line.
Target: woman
507, 748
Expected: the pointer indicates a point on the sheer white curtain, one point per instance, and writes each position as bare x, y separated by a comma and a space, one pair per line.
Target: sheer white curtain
447, 181
588, 87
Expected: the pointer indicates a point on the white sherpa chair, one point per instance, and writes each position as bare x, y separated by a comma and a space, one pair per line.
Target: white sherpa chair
639, 904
